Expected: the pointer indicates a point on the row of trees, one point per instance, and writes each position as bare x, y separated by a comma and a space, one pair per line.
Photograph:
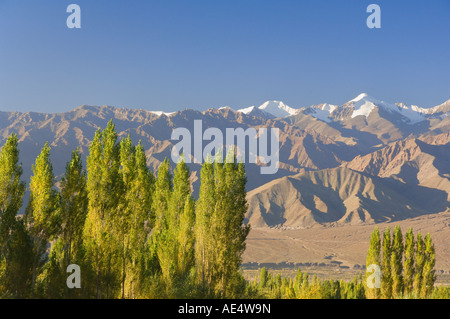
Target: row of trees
406, 263
302, 286
133, 234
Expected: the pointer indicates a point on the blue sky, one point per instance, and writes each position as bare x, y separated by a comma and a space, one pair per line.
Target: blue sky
169, 55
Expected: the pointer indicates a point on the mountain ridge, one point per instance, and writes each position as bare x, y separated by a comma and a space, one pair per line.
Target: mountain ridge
306, 145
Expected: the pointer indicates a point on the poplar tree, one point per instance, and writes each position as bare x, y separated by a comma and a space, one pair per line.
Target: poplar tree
42, 213
11, 190
74, 204
186, 239
204, 246
67, 248
229, 233
173, 228
139, 202
373, 258
125, 211
428, 276
419, 265
163, 239
15, 242
386, 278
397, 263
104, 185
264, 276
408, 265
181, 219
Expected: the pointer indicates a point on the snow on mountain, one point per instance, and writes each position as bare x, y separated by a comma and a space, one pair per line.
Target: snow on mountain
254, 111
159, 113
364, 104
322, 112
247, 110
277, 108
274, 108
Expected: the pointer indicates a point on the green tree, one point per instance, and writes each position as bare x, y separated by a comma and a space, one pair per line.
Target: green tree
67, 248
263, 277
386, 278
428, 275
139, 192
408, 265
12, 233
204, 246
397, 263
373, 258
11, 190
100, 238
16, 277
186, 240
42, 213
229, 233
125, 215
181, 219
163, 237
74, 203
419, 264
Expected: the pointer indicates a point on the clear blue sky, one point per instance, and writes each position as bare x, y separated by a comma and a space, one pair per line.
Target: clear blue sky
169, 55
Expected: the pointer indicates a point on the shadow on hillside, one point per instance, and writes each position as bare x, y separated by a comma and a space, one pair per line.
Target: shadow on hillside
419, 200
366, 140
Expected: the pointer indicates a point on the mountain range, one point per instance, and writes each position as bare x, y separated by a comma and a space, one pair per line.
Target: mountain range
366, 161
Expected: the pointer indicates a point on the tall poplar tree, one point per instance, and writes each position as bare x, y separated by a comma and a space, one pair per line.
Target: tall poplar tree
138, 197
428, 276
124, 216
11, 189
204, 246
397, 263
163, 238
408, 264
74, 203
15, 243
229, 233
67, 248
386, 278
42, 213
104, 185
186, 239
181, 219
373, 258
419, 264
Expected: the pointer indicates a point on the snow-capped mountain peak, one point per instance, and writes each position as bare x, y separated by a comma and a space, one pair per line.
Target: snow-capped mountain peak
159, 113
274, 108
364, 104
247, 110
360, 97
361, 105
277, 108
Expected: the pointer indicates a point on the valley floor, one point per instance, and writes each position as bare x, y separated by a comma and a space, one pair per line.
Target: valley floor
337, 252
